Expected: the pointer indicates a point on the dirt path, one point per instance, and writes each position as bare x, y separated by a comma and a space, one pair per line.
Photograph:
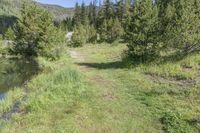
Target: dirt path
111, 108
96, 78
76, 55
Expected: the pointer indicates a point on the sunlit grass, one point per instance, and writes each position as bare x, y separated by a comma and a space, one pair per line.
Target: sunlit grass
107, 96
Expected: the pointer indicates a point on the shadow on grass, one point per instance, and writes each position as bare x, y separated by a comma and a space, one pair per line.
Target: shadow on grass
107, 65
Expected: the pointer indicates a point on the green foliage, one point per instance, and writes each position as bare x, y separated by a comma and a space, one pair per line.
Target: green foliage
79, 36
123, 11
13, 7
84, 17
77, 15
92, 13
175, 124
9, 35
111, 30
91, 34
83, 34
141, 32
35, 33
4, 48
182, 30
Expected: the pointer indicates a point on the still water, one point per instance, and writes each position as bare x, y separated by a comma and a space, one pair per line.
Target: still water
14, 73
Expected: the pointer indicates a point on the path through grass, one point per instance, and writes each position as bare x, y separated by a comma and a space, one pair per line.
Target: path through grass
145, 98
95, 92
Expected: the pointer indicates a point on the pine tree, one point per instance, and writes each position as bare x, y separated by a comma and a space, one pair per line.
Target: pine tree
77, 15
123, 11
35, 33
106, 12
92, 13
120, 10
182, 28
84, 16
142, 31
105, 23
79, 36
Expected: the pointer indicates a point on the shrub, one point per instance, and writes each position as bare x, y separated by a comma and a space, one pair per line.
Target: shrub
9, 35
174, 123
83, 34
79, 37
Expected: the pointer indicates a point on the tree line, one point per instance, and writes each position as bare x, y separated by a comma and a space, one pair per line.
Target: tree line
149, 27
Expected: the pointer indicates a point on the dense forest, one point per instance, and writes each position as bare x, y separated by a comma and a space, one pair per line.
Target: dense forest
109, 66
148, 27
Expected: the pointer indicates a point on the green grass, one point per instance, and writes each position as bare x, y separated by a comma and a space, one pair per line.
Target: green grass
160, 88
100, 94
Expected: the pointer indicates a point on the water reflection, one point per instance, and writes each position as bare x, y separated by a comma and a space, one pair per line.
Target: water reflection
14, 72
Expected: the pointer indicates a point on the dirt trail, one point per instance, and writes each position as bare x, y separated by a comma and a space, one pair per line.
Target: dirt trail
76, 55
97, 78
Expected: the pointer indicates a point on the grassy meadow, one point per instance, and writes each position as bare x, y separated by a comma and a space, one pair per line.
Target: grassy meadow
98, 91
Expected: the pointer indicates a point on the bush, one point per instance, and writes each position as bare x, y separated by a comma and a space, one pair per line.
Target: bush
92, 34
9, 35
79, 36
174, 123
83, 34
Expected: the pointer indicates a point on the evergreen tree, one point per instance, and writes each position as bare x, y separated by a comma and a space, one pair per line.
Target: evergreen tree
108, 10
79, 36
77, 15
106, 22
106, 13
120, 10
92, 13
142, 31
123, 10
84, 17
35, 33
182, 27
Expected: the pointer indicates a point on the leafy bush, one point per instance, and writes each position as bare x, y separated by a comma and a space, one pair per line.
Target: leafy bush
83, 34
91, 34
79, 36
174, 123
9, 35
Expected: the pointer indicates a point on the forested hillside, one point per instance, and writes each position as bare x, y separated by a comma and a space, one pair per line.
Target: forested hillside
12, 7
10, 10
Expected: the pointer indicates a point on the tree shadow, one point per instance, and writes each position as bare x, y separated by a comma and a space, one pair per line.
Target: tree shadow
16, 72
107, 65
6, 22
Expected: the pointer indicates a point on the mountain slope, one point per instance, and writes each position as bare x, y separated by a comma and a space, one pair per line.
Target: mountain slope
12, 8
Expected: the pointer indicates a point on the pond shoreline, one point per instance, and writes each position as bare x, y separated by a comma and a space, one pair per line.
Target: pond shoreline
6, 116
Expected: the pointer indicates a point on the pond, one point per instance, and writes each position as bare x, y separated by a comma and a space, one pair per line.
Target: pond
14, 73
